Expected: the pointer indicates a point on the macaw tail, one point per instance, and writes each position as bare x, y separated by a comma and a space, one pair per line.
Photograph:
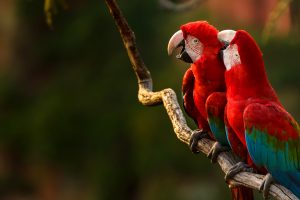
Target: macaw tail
290, 180
241, 193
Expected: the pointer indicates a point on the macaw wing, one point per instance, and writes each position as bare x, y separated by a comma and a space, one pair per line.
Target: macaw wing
233, 140
215, 107
187, 93
272, 137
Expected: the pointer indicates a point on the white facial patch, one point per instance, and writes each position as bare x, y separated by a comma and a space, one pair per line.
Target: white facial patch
231, 56
193, 47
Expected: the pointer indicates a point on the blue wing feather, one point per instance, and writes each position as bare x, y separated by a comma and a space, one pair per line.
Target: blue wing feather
215, 107
264, 152
279, 156
217, 127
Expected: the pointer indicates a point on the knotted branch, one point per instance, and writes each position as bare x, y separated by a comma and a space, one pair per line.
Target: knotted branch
168, 98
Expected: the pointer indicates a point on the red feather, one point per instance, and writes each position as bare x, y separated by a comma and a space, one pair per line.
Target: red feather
246, 83
206, 75
203, 78
273, 119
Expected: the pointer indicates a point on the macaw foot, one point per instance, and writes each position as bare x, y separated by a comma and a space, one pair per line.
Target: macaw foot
195, 137
266, 184
216, 149
239, 167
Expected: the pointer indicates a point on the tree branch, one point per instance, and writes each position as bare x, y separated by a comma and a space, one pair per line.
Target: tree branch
169, 100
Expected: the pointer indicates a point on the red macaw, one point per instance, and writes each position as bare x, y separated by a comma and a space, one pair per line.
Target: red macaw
200, 47
266, 131
203, 86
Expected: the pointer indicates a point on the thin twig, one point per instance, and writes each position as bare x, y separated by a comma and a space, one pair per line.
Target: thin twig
275, 14
178, 7
168, 97
50, 9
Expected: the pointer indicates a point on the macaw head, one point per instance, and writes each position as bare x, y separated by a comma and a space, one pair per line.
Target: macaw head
196, 39
239, 48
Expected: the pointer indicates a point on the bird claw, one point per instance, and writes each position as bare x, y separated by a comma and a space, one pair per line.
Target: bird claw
265, 185
239, 167
196, 136
215, 151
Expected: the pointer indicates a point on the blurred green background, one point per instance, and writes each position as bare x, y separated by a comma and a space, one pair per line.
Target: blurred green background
71, 125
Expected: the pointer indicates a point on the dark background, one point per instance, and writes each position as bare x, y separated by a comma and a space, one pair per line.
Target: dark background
71, 125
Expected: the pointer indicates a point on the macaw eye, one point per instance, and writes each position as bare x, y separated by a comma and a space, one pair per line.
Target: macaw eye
195, 41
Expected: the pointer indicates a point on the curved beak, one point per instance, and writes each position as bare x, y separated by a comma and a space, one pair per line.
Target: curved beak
175, 41
226, 36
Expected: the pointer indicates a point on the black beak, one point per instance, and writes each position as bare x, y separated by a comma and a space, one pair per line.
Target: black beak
221, 53
183, 55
